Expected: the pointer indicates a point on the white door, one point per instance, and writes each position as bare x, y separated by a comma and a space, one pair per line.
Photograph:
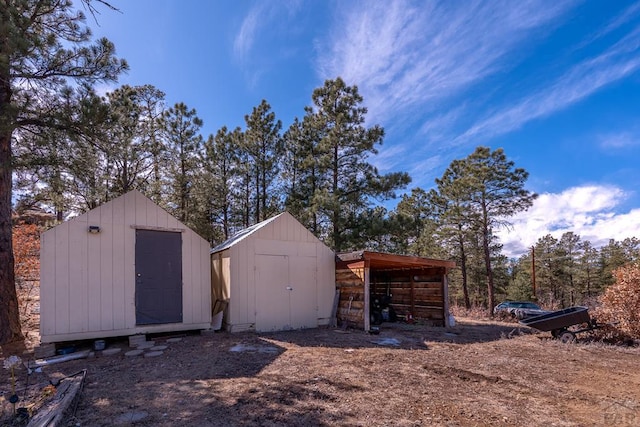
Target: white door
304, 298
286, 293
272, 295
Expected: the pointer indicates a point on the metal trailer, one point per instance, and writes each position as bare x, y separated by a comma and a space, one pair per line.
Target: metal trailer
558, 323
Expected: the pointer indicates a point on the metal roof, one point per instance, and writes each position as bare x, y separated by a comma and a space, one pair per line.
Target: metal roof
243, 234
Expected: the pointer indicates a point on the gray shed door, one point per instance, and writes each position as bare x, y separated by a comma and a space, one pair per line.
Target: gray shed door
158, 277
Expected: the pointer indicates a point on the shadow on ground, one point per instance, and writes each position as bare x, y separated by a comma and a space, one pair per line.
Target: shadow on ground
401, 335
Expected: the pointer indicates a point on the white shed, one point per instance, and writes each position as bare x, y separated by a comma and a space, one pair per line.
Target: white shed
124, 268
275, 275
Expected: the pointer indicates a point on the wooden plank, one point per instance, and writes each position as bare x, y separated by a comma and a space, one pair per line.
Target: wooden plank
157, 228
334, 311
52, 413
356, 305
350, 284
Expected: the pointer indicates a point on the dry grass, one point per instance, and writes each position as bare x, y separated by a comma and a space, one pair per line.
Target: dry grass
478, 373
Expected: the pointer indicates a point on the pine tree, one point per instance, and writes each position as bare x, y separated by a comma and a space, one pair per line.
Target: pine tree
44, 46
181, 127
220, 169
347, 181
263, 144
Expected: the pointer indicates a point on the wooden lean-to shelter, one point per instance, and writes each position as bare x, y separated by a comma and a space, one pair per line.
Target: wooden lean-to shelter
126, 267
415, 286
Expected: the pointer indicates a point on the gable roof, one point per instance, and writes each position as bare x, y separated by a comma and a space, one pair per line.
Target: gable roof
243, 234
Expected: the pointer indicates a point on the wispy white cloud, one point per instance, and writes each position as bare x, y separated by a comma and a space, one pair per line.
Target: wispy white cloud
407, 55
388, 158
618, 21
582, 80
589, 211
619, 140
263, 20
248, 31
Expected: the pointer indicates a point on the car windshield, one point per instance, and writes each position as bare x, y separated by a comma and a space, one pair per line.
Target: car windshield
529, 305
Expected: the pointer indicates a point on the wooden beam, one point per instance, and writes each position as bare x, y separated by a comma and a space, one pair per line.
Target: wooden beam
367, 298
153, 228
52, 412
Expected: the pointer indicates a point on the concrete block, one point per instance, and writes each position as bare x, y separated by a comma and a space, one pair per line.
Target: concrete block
136, 340
45, 350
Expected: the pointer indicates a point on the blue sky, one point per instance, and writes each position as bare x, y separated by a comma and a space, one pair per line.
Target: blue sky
556, 84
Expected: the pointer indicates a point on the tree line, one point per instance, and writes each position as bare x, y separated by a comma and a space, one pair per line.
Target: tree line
64, 146
318, 168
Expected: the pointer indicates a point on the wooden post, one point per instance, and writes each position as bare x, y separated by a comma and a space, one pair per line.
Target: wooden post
445, 297
533, 271
367, 315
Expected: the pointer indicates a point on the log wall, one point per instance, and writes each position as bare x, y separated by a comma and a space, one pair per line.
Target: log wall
350, 282
419, 292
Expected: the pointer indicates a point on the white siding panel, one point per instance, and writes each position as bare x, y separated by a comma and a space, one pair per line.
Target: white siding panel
205, 281
140, 208
296, 230
187, 279
48, 283
152, 213
94, 258
77, 265
128, 264
107, 283
252, 281
240, 267
62, 279
273, 247
120, 229
173, 222
305, 249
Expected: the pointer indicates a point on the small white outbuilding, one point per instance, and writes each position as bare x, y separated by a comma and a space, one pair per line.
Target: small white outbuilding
275, 275
124, 268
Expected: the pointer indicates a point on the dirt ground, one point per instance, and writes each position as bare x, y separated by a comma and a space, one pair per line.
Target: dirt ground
475, 374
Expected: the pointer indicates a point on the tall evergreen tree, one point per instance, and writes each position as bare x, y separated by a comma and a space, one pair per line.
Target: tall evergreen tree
44, 45
457, 222
151, 105
181, 128
220, 169
480, 193
263, 143
301, 172
348, 180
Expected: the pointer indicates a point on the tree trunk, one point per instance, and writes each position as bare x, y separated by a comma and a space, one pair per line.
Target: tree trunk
487, 258
487, 261
10, 330
463, 267
337, 239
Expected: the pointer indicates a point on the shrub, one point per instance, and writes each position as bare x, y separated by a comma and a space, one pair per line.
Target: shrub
620, 304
